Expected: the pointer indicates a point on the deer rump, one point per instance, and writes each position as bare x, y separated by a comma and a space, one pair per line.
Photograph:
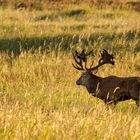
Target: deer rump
113, 89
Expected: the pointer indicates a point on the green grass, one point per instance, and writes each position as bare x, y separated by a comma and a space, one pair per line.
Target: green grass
38, 95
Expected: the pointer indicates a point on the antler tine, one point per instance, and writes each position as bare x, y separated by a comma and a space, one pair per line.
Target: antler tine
89, 53
106, 58
78, 64
82, 56
105, 51
76, 67
91, 64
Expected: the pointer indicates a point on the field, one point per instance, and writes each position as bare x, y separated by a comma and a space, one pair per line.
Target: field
38, 95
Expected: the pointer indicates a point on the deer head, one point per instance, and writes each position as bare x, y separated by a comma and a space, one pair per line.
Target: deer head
88, 77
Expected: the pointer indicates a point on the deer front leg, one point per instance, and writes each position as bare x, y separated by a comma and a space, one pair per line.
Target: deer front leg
137, 103
135, 97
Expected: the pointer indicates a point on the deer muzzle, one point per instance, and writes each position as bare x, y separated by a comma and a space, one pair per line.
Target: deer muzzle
78, 82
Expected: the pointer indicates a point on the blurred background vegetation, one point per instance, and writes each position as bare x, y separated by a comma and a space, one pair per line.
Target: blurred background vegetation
62, 24
43, 4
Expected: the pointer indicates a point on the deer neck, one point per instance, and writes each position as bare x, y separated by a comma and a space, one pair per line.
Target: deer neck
93, 84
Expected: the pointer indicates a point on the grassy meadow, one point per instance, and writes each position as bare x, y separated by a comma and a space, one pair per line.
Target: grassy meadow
38, 95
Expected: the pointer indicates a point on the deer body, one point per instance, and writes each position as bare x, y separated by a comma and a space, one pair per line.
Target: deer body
111, 89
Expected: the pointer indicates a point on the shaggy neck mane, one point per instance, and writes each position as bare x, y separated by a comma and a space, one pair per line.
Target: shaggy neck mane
93, 83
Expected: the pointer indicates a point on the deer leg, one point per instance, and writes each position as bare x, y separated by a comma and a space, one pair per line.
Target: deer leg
137, 103
135, 96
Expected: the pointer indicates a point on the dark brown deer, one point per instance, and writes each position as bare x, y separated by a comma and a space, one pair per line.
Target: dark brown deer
110, 89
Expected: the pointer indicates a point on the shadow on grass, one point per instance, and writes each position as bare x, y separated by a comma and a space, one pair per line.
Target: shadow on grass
64, 14
64, 42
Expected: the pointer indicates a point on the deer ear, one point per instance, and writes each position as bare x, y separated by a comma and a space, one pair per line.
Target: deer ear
94, 71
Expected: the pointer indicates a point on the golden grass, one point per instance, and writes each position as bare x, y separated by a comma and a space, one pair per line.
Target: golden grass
38, 95
29, 24
40, 100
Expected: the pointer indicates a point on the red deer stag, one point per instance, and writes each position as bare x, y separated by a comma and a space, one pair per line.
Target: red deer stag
110, 89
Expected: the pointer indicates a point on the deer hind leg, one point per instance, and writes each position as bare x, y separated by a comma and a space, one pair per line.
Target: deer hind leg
138, 100
137, 103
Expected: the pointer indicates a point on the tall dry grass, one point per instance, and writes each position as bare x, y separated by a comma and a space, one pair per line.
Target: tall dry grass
40, 100
38, 95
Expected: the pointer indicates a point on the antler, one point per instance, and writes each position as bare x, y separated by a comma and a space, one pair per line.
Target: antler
106, 58
78, 64
82, 58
